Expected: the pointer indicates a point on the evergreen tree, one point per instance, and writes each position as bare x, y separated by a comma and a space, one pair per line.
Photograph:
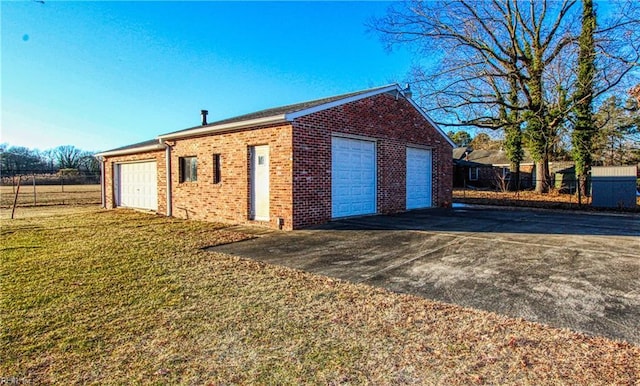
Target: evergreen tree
460, 138
513, 136
584, 130
617, 141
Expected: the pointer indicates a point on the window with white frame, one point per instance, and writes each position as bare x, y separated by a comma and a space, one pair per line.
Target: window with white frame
473, 174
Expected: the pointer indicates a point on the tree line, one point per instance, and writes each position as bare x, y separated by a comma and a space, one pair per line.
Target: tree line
16, 160
533, 69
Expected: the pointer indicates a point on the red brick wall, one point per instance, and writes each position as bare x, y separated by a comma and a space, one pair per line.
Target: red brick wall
229, 199
158, 156
300, 164
394, 124
391, 170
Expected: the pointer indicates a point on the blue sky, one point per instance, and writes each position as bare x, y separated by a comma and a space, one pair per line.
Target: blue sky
99, 75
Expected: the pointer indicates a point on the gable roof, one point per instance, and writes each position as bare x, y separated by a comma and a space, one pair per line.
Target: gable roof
276, 115
460, 152
486, 157
299, 108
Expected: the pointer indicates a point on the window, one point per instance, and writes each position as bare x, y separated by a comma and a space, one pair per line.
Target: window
216, 169
506, 173
188, 169
473, 174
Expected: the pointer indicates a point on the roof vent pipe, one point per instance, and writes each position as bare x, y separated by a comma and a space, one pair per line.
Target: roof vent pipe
204, 116
407, 92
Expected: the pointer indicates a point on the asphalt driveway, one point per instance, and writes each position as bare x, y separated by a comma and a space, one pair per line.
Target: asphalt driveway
574, 270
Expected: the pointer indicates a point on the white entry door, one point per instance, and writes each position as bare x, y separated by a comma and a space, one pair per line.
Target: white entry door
353, 177
260, 183
419, 175
136, 185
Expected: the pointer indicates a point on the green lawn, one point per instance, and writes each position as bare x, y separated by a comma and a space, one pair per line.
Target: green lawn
113, 297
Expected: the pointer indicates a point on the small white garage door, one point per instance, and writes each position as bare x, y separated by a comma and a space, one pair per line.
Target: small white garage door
353, 177
419, 174
137, 185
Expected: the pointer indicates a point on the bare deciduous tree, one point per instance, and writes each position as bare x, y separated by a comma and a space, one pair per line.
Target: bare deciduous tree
509, 64
68, 157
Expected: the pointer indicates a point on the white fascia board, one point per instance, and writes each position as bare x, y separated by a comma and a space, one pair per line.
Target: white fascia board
132, 150
224, 127
424, 114
291, 116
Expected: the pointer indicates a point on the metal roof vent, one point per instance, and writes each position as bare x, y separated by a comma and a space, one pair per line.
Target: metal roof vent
204, 113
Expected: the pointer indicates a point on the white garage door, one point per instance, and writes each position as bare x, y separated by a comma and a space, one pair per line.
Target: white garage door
353, 177
137, 185
418, 178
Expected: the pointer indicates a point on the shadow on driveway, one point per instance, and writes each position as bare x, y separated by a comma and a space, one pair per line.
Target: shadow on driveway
574, 270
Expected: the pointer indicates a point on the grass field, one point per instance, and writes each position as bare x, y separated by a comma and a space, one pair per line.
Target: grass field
120, 297
50, 195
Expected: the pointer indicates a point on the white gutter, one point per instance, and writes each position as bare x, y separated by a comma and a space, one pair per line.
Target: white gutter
132, 150
281, 118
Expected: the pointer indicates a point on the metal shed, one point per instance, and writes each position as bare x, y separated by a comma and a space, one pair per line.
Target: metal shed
614, 186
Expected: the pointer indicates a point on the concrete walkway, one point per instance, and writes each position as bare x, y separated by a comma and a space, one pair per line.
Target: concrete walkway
566, 269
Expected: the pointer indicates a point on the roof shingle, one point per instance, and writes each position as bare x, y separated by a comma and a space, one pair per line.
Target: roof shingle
288, 109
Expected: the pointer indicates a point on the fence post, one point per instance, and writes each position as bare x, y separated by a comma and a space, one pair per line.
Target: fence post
15, 199
35, 200
62, 182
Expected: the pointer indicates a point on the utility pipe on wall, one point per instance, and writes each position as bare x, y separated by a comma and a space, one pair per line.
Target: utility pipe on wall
167, 162
103, 190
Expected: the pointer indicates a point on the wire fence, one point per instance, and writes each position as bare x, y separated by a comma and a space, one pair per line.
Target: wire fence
563, 193
38, 189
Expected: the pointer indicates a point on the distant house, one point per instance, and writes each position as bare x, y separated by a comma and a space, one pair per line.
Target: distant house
487, 168
367, 152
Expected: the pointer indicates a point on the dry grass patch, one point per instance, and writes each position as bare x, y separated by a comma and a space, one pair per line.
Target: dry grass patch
23, 212
552, 200
123, 297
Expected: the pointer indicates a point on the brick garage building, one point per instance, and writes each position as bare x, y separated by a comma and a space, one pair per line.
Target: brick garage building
368, 152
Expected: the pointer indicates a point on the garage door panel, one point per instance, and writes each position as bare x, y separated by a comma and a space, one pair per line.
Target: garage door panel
137, 185
419, 176
353, 179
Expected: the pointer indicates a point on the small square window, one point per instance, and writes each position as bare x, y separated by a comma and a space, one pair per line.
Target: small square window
261, 160
216, 169
188, 169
